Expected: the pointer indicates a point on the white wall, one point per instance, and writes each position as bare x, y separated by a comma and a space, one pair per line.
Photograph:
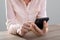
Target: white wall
53, 10
2, 15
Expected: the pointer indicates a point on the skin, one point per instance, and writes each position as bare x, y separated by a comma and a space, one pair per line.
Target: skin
31, 26
27, 1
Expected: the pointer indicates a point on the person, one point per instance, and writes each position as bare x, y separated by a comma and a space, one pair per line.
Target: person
21, 16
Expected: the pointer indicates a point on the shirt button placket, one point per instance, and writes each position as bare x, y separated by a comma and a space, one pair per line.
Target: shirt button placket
27, 14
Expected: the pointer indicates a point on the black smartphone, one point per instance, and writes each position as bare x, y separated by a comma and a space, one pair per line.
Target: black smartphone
39, 22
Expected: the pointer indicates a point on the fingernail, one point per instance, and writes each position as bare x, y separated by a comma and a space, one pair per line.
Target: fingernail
44, 21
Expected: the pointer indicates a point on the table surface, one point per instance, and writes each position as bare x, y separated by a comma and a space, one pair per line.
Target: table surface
53, 34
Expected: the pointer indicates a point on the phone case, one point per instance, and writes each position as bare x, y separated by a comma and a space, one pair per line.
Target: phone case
39, 22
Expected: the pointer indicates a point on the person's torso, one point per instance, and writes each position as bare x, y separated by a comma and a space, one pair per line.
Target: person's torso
25, 13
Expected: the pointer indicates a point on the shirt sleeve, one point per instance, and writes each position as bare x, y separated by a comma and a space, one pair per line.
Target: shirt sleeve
42, 7
12, 23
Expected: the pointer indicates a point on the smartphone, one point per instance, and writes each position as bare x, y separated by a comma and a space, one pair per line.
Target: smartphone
39, 22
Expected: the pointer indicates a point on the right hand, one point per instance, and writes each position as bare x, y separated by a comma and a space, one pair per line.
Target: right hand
25, 29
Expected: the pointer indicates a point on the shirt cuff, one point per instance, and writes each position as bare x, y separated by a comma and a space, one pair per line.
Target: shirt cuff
19, 29
13, 28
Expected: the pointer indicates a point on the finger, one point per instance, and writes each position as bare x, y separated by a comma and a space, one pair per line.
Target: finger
30, 22
36, 27
21, 33
25, 27
31, 27
26, 24
45, 28
36, 30
24, 31
45, 24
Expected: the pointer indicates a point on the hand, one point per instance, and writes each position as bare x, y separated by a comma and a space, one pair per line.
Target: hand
37, 30
31, 26
25, 29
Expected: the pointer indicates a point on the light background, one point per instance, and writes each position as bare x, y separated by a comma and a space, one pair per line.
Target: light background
53, 11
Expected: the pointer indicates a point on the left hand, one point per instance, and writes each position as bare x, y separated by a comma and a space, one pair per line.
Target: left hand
37, 30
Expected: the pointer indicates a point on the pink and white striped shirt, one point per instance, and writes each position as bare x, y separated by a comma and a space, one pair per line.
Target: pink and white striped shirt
17, 13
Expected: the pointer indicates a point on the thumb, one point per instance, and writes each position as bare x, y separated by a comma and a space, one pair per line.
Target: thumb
45, 24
